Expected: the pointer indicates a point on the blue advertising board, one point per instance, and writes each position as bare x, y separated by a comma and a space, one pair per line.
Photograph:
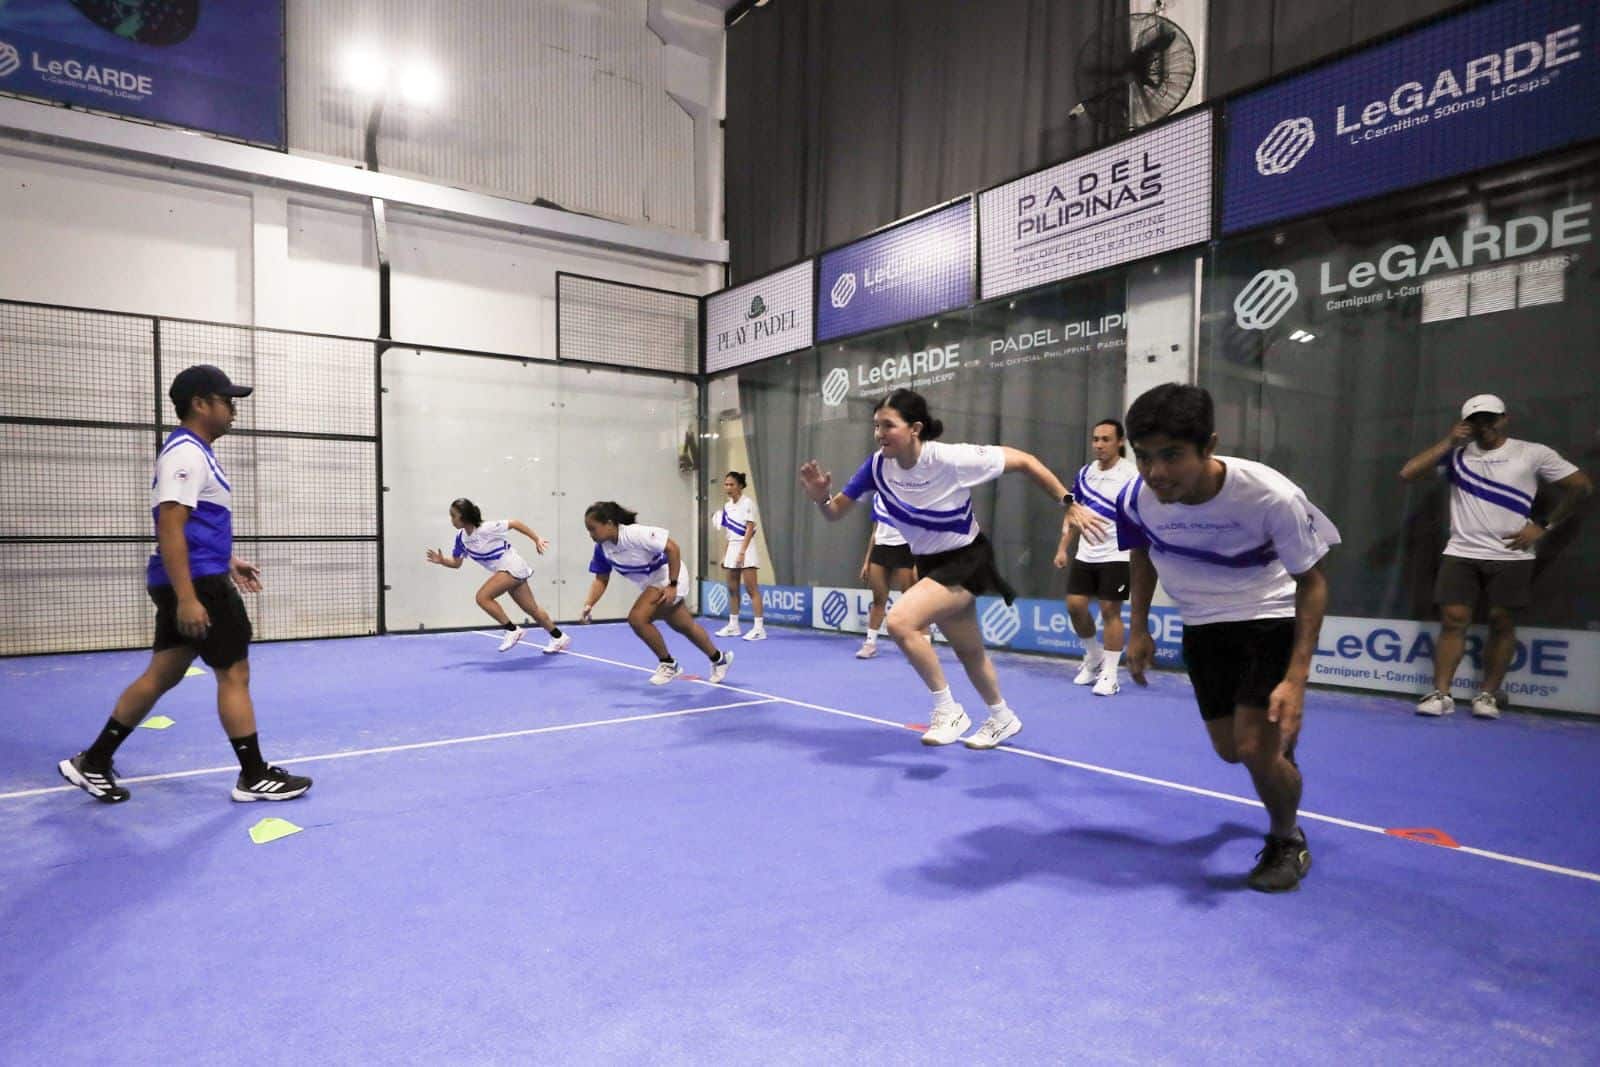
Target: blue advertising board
789, 604
913, 270
215, 66
1494, 84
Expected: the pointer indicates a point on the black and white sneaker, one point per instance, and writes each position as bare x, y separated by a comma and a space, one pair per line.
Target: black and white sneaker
274, 783
100, 784
1281, 864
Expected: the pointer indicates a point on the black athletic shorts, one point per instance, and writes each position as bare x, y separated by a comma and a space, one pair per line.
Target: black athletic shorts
892, 557
1506, 583
226, 642
1100, 581
1233, 663
970, 567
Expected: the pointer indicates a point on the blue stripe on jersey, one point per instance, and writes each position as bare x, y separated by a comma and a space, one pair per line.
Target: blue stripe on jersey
1497, 493
932, 513
860, 481
209, 536
460, 549
641, 568
729, 524
1259, 556
178, 437
490, 556
598, 563
1090, 496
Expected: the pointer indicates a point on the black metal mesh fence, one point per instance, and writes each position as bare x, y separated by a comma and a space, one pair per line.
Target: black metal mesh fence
83, 410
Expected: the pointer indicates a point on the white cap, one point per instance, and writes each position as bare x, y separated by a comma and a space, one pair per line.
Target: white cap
1483, 402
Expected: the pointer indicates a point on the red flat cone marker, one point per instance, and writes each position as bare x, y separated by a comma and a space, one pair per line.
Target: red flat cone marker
1427, 835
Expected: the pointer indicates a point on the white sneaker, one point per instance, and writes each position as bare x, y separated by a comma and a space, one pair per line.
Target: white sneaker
1436, 704
994, 730
1106, 686
1485, 706
719, 671
758, 633
558, 644
665, 672
512, 637
730, 630
947, 726
867, 650
1088, 672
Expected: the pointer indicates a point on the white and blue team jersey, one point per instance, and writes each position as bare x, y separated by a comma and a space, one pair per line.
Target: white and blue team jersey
1234, 557
187, 473
1491, 495
929, 504
883, 531
489, 546
735, 517
640, 555
1097, 490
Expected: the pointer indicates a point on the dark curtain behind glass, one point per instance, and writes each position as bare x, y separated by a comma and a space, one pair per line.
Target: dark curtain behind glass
844, 116
1248, 41
1341, 413
1034, 373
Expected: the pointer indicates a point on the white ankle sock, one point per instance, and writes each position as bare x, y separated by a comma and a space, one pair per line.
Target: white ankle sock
1112, 658
733, 620
1001, 710
942, 698
872, 637
1091, 647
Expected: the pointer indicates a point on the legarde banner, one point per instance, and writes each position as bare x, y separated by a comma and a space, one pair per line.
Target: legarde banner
213, 65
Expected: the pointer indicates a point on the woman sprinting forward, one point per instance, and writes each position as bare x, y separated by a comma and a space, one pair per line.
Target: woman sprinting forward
888, 565
486, 543
651, 560
737, 518
924, 486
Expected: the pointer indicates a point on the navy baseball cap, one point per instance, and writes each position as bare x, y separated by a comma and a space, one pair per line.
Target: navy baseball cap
203, 380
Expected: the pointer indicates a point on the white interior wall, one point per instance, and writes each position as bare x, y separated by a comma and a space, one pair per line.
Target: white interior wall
570, 101
88, 231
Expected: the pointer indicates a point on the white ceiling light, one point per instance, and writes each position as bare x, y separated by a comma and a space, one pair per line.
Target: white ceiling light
364, 70
421, 83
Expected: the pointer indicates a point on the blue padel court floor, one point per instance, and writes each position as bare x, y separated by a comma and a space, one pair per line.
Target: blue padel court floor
524, 858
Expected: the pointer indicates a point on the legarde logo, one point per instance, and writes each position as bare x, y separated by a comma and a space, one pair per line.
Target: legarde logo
843, 289
1265, 300
1284, 146
835, 606
835, 387
9, 60
716, 600
1000, 622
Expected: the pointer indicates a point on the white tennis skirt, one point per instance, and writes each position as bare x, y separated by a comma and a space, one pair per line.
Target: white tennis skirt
751, 559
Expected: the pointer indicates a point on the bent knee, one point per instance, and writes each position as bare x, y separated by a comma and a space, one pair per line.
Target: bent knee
1455, 617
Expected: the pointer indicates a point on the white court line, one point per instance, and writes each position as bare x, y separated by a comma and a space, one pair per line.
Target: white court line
413, 746
1251, 802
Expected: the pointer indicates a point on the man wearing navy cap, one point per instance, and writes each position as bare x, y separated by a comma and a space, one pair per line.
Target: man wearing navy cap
1493, 480
191, 578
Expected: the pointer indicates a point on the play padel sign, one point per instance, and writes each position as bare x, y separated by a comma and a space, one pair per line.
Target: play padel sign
766, 317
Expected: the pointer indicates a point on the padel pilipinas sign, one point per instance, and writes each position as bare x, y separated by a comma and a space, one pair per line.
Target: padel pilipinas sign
766, 317
1500, 82
220, 69
1146, 195
910, 271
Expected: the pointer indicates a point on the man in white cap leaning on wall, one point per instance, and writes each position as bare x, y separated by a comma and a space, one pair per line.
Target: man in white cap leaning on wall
1493, 480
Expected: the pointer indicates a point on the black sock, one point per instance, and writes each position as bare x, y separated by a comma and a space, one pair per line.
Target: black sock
717, 658
105, 746
248, 749
511, 626
555, 631
669, 659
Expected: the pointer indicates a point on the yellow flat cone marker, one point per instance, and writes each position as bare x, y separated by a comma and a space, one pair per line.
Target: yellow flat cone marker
271, 829
156, 722
194, 672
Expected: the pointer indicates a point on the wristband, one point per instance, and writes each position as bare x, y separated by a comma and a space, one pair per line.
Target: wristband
1066, 499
